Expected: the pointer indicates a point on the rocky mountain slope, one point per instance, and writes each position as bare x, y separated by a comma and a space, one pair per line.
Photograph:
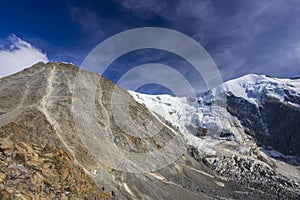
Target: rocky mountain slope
67, 133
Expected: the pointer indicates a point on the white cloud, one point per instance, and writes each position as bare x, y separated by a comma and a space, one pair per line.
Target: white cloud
19, 55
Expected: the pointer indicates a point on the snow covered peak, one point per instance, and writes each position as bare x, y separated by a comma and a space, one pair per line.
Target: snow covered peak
253, 87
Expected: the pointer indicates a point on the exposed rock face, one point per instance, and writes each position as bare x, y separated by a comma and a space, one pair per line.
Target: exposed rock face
41, 145
274, 123
35, 163
32, 171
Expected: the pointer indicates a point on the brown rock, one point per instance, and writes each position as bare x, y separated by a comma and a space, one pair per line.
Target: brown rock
2, 177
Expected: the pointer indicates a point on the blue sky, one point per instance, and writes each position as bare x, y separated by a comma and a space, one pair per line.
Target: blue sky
241, 36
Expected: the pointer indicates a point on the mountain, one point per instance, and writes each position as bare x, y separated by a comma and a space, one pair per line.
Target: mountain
271, 110
72, 134
265, 108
